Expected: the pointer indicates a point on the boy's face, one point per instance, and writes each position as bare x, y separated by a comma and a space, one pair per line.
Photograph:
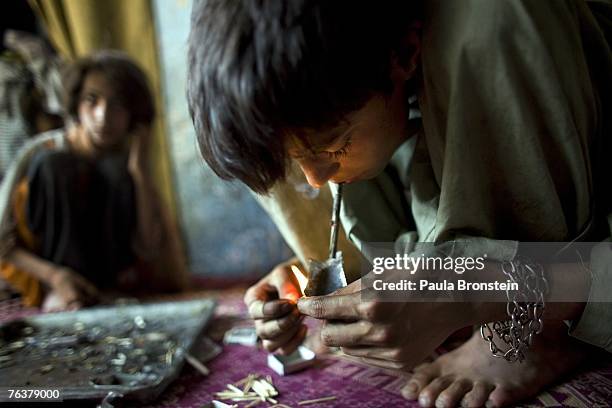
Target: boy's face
358, 148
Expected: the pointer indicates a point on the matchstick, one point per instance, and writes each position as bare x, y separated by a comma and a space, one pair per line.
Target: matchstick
195, 363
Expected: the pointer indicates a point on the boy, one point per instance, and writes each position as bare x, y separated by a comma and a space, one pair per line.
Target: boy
512, 96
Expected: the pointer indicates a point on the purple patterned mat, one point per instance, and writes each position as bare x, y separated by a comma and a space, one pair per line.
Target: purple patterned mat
352, 384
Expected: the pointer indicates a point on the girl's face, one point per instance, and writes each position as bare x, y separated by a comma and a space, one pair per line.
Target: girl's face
103, 117
360, 147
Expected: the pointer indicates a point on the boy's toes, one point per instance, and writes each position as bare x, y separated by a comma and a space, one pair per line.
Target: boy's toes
419, 380
451, 396
429, 394
478, 396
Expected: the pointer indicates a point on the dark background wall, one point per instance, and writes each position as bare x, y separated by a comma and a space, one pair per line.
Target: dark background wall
227, 233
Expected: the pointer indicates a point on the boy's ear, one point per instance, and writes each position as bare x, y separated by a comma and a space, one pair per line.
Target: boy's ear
408, 54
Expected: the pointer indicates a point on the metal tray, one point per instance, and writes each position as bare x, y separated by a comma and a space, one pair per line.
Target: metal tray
135, 350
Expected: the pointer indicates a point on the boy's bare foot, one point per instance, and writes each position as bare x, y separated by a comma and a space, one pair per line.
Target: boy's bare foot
470, 376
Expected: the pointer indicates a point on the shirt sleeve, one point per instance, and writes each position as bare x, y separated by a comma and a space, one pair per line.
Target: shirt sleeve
594, 325
29, 287
510, 104
513, 101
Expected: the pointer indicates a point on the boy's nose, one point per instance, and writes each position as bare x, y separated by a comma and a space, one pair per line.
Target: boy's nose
317, 174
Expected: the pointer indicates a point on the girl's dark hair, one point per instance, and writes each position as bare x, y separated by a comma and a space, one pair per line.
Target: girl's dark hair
260, 68
130, 82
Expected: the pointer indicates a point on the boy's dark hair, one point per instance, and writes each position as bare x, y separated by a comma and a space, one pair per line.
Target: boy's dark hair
258, 69
130, 82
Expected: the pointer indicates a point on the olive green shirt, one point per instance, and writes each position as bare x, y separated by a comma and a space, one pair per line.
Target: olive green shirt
515, 99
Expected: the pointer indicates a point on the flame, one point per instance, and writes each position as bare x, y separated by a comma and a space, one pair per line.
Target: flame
301, 278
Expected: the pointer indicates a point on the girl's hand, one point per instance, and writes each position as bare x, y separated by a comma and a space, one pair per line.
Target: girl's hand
138, 161
69, 291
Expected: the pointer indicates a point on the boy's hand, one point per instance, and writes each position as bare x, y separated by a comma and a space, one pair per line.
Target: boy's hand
272, 304
395, 335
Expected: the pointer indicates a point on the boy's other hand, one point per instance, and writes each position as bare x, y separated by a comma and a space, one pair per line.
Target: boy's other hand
394, 335
272, 304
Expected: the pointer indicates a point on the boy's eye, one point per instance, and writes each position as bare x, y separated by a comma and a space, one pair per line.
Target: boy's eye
343, 151
335, 154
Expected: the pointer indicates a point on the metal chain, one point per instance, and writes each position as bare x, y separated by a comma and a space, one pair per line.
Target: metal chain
525, 308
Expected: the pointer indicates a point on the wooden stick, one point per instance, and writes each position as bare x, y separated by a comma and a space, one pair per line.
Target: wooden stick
248, 383
253, 403
235, 389
315, 401
232, 394
195, 363
245, 379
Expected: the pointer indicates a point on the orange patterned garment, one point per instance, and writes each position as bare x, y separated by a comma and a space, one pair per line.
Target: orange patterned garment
29, 287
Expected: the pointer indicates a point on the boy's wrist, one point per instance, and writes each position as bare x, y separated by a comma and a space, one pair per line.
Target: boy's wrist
569, 283
484, 307
484, 312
